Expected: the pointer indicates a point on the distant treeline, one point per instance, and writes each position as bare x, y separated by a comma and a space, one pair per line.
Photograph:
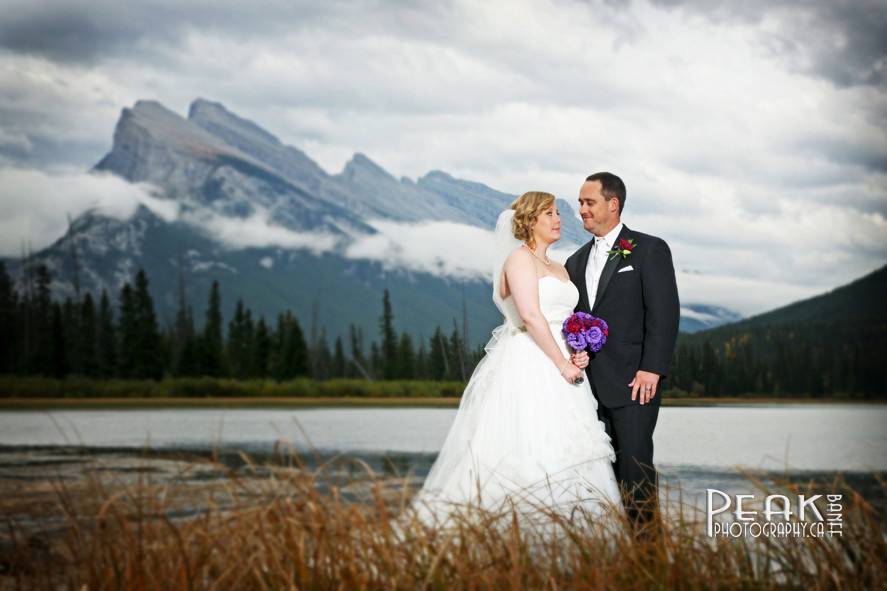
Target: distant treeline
40, 336
122, 340
826, 358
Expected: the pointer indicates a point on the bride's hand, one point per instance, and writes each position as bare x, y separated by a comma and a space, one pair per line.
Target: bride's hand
571, 373
580, 359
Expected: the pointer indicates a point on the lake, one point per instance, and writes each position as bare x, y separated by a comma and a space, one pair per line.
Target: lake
696, 447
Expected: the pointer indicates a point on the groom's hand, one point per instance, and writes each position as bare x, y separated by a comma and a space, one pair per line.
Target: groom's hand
644, 384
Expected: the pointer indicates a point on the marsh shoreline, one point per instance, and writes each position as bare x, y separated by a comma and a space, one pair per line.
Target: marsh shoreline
29, 403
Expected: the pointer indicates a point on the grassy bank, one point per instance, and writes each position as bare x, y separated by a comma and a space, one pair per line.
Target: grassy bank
31, 403
16, 391
38, 387
279, 529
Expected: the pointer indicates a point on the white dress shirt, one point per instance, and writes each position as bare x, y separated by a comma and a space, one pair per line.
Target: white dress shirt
597, 260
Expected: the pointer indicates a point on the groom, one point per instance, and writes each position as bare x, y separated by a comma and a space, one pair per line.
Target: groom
635, 292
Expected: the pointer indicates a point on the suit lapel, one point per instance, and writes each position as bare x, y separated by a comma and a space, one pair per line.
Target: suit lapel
609, 270
581, 284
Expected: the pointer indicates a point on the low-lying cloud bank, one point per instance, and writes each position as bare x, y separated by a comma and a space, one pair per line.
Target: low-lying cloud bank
35, 205
34, 209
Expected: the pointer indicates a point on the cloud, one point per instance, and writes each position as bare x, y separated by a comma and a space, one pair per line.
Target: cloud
696, 315
442, 248
447, 249
749, 134
842, 41
748, 296
255, 231
34, 205
34, 210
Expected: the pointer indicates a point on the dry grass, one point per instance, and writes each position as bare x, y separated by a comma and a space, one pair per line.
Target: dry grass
282, 526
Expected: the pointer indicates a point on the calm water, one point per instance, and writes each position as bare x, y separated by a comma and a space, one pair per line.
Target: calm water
792, 437
696, 448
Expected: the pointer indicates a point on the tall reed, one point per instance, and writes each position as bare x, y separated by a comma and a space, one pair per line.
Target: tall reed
282, 525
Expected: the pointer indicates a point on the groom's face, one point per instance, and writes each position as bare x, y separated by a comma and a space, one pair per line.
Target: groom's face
599, 214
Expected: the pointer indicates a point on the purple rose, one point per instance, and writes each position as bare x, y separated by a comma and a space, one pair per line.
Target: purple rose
595, 338
576, 340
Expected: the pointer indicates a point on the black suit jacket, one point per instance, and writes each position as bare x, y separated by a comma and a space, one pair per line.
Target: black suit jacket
642, 310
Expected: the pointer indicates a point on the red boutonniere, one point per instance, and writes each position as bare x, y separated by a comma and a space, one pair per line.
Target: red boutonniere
624, 248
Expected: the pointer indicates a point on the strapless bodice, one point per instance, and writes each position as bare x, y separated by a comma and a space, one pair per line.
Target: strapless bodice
557, 300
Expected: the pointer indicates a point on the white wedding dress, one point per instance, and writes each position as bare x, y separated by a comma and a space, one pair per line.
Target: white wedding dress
523, 437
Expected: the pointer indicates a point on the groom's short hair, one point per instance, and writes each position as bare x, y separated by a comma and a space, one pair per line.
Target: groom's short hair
612, 187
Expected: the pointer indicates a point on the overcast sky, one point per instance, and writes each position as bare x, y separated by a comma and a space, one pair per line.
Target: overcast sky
751, 135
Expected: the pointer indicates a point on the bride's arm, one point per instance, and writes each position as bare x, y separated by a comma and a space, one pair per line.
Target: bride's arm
520, 272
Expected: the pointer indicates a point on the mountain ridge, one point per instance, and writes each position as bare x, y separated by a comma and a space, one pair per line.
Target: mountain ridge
861, 300
217, 165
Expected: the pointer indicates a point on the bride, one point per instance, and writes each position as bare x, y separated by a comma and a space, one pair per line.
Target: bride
526, 435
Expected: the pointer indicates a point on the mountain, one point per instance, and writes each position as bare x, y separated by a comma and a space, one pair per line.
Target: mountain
861, 301
219, 168
833, 343
364, 187
279, 232
696, 317
201, 170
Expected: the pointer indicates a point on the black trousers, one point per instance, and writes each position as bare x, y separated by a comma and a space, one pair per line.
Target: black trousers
631, 429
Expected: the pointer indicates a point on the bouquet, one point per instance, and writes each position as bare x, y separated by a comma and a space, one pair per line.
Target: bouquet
584, 331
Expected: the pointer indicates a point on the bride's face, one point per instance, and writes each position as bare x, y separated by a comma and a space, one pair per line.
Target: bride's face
547, 227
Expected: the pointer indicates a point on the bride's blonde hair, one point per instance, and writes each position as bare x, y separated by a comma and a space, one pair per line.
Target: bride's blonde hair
527, 209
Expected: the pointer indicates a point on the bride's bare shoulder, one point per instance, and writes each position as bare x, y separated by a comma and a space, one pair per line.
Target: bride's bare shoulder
520, 256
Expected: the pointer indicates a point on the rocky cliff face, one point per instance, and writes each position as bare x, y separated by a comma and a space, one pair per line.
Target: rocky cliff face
223, 172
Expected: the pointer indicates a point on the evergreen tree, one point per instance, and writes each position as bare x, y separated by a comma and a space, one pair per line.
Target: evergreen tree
129, 333
278, 340
183, 344
211, 341
292, 350
389, 339
88, 338
406, 358
261, 354
422, 361
376, 362
71, 322
711, 371
106, 338
41, 356
9, 333
149, 353
240, 341
456, 356
359, 365
57, 342
297, 349
190, 359
322, 358
438, 366
340, 364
